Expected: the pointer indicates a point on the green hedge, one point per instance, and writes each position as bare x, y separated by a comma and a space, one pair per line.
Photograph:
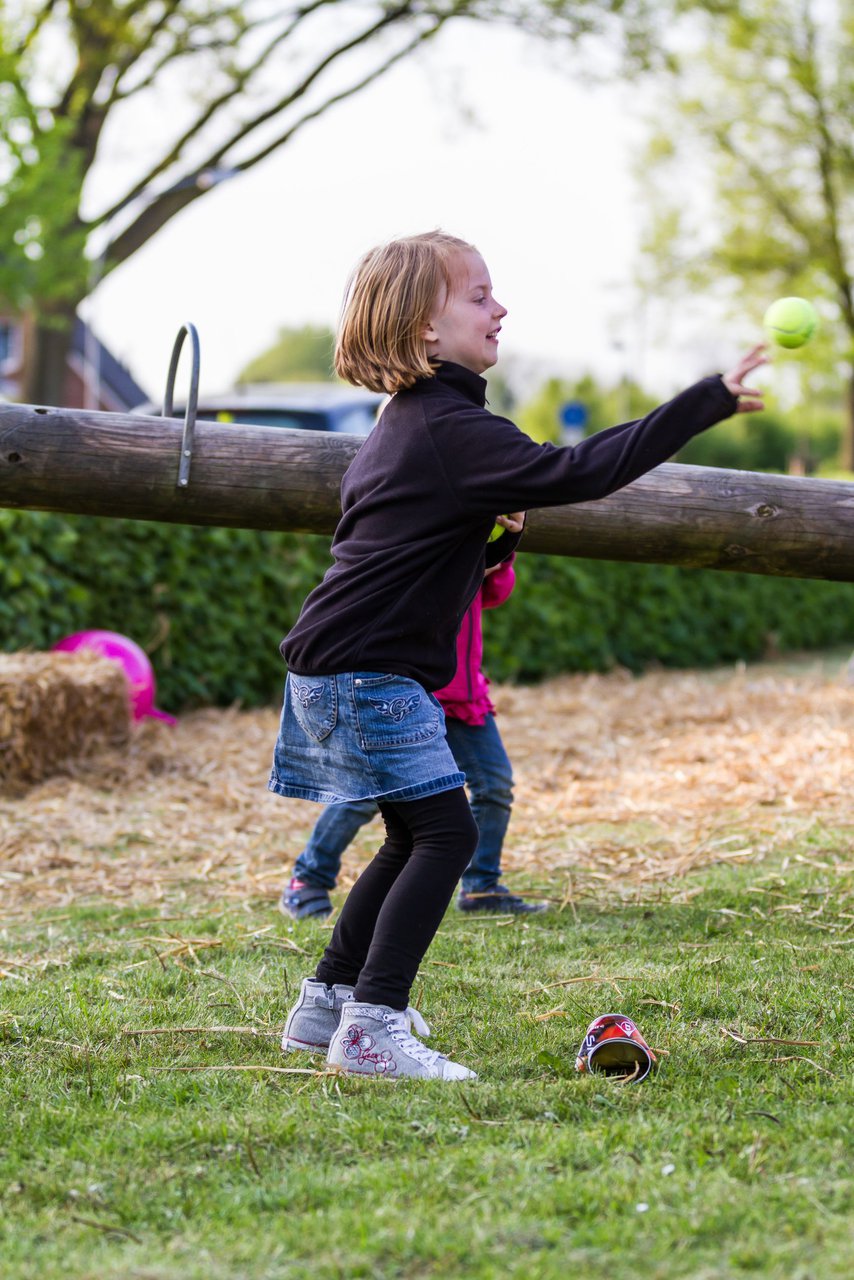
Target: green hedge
589, 615
211, 605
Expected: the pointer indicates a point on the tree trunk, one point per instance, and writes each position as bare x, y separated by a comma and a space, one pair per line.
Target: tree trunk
47, 343
848, 425
271, 478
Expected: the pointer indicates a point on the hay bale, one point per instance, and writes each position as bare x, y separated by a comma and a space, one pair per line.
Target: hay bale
57, 709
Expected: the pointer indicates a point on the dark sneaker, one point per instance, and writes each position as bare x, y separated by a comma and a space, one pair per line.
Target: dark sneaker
314, 1018
300, 900
374, 1040
499, 899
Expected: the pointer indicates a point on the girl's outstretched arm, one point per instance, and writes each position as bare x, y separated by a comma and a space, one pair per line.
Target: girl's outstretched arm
495, 467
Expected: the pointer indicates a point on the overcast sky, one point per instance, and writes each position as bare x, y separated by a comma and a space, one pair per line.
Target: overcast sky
540, 181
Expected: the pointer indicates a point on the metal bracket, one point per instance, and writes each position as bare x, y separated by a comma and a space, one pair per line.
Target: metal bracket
192, 400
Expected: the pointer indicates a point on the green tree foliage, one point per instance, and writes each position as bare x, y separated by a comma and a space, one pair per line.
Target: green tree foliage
800, 442
750, 173
40, 173
606, 406
297, 355
245, 77
805, 440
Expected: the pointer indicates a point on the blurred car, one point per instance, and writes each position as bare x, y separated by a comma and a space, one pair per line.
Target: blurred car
301, 406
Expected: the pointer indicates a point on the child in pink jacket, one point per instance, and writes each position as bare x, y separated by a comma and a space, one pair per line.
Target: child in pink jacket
479, 752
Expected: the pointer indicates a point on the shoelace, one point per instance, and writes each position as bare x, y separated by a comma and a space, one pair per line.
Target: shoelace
416, 1021
398, 1028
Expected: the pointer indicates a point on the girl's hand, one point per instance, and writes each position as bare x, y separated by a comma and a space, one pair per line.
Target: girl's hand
514, 523
734, 380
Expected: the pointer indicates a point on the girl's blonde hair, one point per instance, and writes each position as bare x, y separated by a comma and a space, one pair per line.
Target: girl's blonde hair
387, 306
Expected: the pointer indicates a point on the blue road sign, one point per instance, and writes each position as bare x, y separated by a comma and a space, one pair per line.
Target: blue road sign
573, 414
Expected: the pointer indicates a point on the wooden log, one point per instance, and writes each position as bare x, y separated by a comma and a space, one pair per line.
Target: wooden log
272, 478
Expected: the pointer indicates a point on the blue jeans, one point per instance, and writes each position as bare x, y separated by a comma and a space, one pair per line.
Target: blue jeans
479, 753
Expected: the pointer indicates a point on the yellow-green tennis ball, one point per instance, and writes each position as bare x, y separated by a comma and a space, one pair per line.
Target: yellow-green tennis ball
791, 322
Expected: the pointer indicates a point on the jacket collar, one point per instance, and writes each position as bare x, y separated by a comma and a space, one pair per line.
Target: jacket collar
458, 378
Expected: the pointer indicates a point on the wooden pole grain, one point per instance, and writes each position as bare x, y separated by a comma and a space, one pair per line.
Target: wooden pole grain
272, 478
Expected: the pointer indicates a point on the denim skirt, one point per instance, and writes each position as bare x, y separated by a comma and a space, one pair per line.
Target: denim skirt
361, 735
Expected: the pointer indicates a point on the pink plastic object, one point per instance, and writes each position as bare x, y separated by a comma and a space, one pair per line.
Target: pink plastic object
137, 668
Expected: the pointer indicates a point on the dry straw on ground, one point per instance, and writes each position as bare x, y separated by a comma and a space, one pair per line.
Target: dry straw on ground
621, 782
57, 709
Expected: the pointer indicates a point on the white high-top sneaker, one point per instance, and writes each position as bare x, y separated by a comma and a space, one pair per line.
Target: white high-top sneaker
375, 1040
315, 1016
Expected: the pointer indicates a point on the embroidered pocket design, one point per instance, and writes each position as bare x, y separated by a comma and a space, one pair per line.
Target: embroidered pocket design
307, 694
314, 705
397, 708
394, 712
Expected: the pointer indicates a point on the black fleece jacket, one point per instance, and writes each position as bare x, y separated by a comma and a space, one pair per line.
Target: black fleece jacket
420, 499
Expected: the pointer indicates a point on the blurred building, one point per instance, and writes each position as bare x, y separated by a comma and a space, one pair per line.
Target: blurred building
94, 378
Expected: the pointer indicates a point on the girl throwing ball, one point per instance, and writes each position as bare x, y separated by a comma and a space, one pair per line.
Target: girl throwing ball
377, 636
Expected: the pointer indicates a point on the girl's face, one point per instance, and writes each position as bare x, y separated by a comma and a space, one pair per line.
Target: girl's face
465, 324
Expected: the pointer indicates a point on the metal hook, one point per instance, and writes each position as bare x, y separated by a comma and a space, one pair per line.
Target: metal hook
192, 400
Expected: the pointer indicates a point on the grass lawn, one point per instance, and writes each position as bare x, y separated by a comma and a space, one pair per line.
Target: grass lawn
149, 1127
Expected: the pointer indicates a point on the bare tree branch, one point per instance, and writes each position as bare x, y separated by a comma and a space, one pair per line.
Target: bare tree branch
124, 65
162, 209
39, 19
282, 138
827, 168
773, 195
237, 86
269, 113
174, 154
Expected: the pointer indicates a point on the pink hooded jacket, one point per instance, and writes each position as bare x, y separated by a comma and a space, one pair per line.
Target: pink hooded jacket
466, 698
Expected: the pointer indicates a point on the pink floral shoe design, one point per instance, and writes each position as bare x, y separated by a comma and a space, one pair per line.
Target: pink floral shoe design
374, 1039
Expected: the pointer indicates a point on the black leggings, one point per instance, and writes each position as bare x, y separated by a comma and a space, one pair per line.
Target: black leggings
395, 907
